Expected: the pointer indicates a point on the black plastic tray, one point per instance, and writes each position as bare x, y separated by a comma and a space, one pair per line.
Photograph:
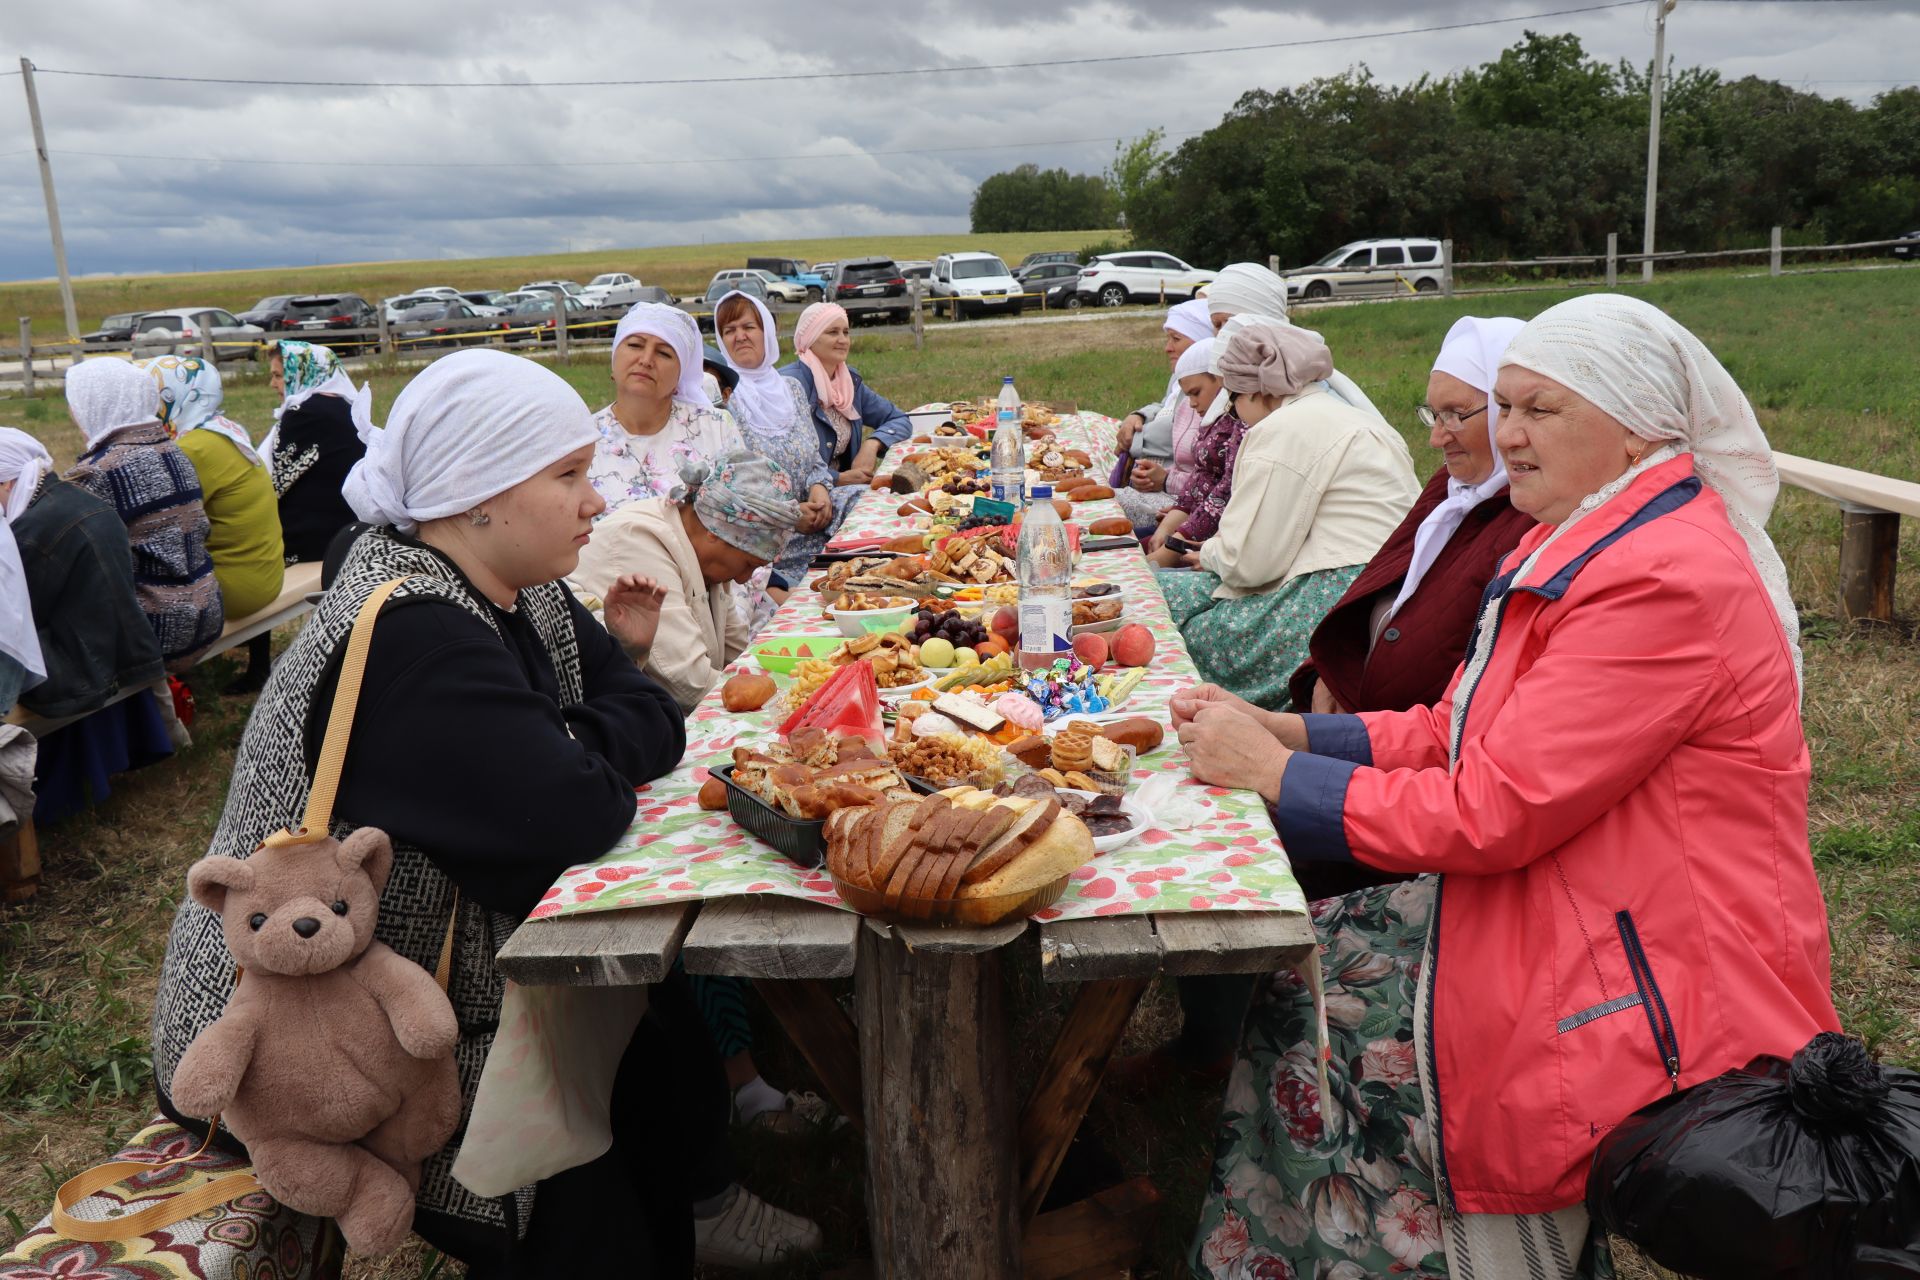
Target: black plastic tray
795, 839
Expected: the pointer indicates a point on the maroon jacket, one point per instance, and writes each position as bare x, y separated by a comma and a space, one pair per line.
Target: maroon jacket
1427, 639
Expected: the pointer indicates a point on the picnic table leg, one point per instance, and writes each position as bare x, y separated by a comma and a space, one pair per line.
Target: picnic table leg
20, 862
942, 1199
823, 1033
1068, 1080
1869, 550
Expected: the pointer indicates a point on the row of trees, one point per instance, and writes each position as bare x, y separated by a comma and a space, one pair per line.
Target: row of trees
1541, 151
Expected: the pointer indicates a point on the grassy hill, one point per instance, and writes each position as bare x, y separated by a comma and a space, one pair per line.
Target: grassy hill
682, 268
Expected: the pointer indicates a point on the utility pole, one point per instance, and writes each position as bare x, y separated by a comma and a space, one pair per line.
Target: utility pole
53, 204
1661, 9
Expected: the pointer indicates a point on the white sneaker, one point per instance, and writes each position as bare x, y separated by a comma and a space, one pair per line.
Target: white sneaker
750, 1234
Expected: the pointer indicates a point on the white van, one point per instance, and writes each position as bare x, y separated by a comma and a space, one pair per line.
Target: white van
1369, 269
977, 282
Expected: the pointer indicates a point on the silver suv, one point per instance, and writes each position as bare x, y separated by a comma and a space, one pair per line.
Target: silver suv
1369, 269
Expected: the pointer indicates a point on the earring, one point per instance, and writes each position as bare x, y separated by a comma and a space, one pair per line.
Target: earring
478, 518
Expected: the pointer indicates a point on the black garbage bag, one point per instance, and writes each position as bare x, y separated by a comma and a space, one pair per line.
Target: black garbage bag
1808, 1169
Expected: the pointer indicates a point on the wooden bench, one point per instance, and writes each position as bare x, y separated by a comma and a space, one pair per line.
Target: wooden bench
301, 581
1870, 511
19, 852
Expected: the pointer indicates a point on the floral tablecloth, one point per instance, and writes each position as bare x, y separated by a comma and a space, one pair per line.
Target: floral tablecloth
1229, 859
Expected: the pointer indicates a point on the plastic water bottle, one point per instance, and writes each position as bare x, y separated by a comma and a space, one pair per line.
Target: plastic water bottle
1009, 465
1046, 583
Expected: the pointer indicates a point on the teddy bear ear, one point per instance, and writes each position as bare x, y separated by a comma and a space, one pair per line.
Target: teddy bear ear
368, 849
209, 879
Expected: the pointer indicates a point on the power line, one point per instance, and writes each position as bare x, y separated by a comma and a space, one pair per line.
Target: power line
845, 75
590, 164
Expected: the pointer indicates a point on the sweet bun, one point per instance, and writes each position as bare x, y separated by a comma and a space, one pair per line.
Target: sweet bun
1111, 527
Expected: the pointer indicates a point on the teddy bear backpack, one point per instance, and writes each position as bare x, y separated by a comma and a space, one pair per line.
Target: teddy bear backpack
333, 1061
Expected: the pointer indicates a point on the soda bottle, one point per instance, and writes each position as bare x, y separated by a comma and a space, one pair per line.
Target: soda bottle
1008, 468
1046, 583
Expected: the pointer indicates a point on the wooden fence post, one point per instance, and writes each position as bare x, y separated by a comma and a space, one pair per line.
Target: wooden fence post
1446, 268
26, 355
1773, 256
208, 351
386, 336
1613, 259
919, 319
1273, 263
560, 336
1869, 549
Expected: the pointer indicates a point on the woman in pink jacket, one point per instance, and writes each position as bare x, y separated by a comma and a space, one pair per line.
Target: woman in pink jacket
1612, 803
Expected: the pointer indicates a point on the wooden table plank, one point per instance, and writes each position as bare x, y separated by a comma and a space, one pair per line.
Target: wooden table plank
766, 935
1232, 941
599, 949
1092, 950
957, 940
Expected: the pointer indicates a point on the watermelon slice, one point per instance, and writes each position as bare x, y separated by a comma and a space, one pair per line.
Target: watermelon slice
847, 704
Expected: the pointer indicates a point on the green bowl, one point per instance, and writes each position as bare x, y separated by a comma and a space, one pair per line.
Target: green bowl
799, 649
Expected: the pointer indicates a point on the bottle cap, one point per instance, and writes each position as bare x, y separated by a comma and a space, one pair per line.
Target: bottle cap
1007, 381
1042, 491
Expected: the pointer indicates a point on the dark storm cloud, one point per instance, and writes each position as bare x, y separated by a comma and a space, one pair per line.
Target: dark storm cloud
357, 189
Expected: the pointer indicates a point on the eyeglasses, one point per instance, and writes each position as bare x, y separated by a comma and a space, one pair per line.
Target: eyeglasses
1451, 419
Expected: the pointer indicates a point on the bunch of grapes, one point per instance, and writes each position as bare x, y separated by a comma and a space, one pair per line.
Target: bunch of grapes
978, 522
962, 632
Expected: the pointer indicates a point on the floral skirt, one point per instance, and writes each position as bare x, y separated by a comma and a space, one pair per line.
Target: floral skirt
1252, 645
1295, 1194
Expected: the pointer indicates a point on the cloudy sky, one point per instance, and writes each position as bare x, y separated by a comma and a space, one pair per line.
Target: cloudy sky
184, 176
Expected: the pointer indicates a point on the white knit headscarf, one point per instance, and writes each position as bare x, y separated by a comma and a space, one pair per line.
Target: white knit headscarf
469, 427
107, 394
761, 396
24, 461
1247, 287
1471, 352
1646, 371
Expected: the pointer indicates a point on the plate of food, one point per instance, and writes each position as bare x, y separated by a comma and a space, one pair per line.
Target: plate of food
1112, 820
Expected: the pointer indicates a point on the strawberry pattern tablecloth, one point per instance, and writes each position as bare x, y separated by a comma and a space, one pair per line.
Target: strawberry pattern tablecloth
1229, 860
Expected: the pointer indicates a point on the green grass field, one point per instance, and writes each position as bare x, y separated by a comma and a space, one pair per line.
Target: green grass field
684, 269
1827, 361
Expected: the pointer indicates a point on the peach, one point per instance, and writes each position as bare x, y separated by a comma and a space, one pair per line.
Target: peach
1133, 645
1091, 648
1007, 623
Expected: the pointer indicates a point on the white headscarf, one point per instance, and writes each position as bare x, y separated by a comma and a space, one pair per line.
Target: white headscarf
24, 461
675, 328
1197, 358
106, 394
1471, 353
1247, 287
1190, 320
1646, 371
470, 426
761, 396
1343, 388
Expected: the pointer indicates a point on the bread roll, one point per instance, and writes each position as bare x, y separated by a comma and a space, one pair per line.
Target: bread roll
1111, 527
1092, 493
748, 691
713, 794
1138, 732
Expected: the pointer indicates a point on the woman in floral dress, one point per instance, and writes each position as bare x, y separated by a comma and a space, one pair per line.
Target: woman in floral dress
660, 418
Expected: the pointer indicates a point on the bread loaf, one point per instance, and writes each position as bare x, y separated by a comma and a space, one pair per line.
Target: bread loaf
1091, 493
1138, 732
1111, 527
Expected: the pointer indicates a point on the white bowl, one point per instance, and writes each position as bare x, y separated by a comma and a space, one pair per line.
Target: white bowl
859, 622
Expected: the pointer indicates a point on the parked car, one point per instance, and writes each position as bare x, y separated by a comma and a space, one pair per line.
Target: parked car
771, 285
449, 322
871, 280
115, 328
1047, 277
311, 315
1113, 279
269, 313
916, 269
1369, 269
485, 302
568, 287
612, 289
976, 282
1051, 255
827, 271
654, 293
724, 283
189, 325
539, 309
1909, 248
794, 272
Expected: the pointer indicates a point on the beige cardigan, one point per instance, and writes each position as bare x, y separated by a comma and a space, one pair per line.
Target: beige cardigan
700, 630
1318, 484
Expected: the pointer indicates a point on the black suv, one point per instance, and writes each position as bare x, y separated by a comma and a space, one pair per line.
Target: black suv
868, 283
314, 315
269, 313
115, 328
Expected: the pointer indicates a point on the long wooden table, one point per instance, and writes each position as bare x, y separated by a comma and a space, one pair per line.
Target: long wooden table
957, 1167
